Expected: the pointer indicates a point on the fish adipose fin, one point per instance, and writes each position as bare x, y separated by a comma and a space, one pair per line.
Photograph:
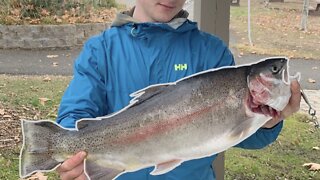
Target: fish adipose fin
36, 153
94, 171
166, 167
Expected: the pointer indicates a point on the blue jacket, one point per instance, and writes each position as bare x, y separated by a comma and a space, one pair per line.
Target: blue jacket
132, 55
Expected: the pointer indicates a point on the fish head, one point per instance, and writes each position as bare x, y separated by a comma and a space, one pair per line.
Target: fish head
269, 85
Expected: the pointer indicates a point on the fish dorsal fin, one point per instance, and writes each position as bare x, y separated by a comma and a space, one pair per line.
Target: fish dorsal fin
147, 93
138, 98
94, 171
83, 123
166, 167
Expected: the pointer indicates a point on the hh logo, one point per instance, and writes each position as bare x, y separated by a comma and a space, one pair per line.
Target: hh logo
180, 67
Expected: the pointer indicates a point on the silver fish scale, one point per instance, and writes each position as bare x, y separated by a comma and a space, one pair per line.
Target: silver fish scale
198, 116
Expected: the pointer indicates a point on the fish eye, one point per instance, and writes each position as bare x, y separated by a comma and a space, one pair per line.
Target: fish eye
275, 69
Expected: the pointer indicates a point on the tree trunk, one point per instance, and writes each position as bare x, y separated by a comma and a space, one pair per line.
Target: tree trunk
305, 12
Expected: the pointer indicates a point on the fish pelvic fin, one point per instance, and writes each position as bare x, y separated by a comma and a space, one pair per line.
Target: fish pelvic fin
166, 167
36, 154
95, 171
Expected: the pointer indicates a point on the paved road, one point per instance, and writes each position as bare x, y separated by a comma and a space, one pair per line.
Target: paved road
37, 62
309, 69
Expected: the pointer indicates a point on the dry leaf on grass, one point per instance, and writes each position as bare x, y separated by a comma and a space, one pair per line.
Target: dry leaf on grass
7, 116
311, 80
1, 111
46, 79
59, 20
37, 176
52, 56
315, 148
312, 166
45, 12
43, 101
55, 64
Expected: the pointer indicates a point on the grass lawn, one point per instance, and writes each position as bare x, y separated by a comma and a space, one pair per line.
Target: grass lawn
24, 97
281, 160
20, 98
276, 30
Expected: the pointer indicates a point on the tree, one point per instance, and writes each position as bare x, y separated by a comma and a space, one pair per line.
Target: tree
305, 12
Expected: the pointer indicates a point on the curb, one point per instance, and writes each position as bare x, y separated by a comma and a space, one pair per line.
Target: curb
48, 36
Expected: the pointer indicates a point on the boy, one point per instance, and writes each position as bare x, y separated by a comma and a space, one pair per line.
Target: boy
145, 46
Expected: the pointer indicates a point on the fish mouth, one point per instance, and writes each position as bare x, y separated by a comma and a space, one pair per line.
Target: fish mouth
259, 96
259, 108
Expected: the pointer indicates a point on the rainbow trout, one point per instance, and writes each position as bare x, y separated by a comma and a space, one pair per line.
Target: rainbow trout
165, 124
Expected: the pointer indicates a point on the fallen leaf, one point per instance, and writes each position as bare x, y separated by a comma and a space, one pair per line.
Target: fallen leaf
55, 64
59, 20
311, 80
1, 111
45, 12
25, 108
43, 101
315, 148
38, 176
47, 79
52, 56
312, 166
7, 116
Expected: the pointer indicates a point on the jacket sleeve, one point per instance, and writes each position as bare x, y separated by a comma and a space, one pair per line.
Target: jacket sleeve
261, 138
86, 95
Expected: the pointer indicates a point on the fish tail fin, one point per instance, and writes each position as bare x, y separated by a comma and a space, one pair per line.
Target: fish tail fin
36, 152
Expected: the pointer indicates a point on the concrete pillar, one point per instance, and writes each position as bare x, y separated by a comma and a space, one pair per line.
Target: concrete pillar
213, 16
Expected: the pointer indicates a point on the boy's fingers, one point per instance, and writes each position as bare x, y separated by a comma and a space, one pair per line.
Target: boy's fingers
82, 177
73, 174
296, 96
73, 162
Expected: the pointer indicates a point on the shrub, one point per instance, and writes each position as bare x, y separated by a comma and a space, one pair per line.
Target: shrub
40, 8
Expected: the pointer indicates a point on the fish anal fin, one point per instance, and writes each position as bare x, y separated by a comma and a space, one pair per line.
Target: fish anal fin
166, 167
94, 171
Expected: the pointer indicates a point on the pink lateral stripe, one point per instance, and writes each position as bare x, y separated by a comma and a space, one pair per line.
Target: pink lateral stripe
158, 128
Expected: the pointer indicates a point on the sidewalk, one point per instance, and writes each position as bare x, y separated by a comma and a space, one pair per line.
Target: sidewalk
314, 99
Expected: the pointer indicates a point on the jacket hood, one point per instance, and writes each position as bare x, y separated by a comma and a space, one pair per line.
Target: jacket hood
125, 17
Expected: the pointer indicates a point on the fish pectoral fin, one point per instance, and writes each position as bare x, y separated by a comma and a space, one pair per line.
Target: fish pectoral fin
94, 171
166, 167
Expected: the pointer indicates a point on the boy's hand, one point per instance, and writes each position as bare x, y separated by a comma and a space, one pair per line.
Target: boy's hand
73, 168
292, 107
